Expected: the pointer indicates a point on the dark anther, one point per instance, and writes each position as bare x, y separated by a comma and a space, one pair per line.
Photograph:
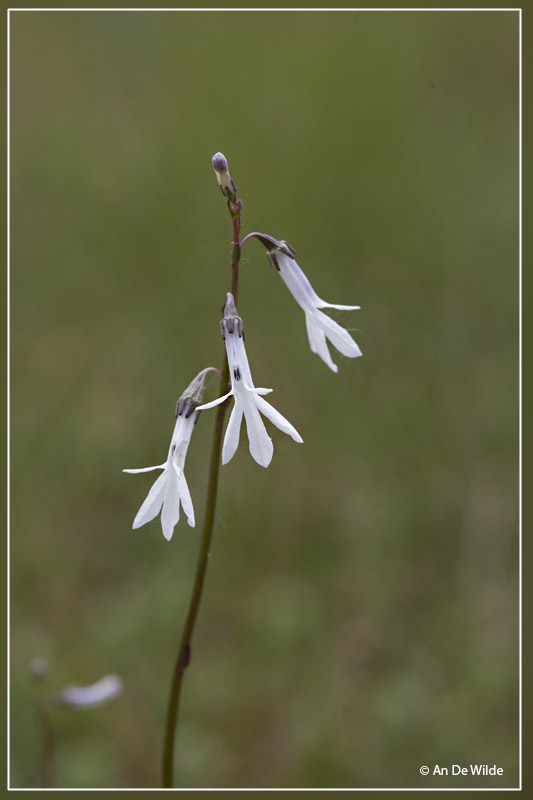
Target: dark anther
271, 255
185, 405
190, 406
237, 374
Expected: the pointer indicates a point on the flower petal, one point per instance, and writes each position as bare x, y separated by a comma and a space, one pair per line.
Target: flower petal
80, 697
216, 402
261, 446
181, 452
146, 469
317, 339
339, 336
171, 505
233, 431
278, 419
154, 500
297, 282
323, 304
260, 391
185, 498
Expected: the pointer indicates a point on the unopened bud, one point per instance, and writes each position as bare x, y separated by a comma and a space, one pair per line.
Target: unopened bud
220, 162
225, 181
194, 393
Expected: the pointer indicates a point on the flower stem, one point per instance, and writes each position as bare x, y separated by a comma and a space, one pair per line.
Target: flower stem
46, 734
184, 651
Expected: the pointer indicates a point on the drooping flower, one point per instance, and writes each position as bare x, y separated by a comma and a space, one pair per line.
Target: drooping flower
171, 489
84, 697
248, 400
319, 326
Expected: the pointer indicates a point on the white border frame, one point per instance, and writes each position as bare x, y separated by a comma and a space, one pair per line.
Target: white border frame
520, 511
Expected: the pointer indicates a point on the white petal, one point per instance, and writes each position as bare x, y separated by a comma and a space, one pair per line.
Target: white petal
278, 419
317, 340
146, 469
297, 282
152, 505
181, 453
339, 336
261, 446
261, 391
323, 304
185, 498
171, 506
182, 433
233, 432
216, 402
237, 358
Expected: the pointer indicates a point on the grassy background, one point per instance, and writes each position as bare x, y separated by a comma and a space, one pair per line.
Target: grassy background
360, 616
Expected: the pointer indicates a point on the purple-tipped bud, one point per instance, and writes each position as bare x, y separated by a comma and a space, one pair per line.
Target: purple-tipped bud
225, 181
220, 163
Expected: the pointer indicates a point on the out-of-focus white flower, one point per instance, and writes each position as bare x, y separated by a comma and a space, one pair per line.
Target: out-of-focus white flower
38, 667
83, 697
171, 489
319, 326
224, 179
248, 402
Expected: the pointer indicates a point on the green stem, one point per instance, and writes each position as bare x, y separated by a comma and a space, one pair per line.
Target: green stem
46, 735
184, 651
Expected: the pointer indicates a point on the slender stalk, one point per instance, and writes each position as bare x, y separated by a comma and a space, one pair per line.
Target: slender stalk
184, 651
46, 733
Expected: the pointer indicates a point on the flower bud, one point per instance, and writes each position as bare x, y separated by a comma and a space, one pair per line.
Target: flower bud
225, 181
220, 162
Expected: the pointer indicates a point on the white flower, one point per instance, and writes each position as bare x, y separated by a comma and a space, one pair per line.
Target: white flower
319, 326
82, 697
248, 402
171, 489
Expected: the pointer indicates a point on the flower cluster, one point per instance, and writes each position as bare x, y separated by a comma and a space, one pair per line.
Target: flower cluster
170, 490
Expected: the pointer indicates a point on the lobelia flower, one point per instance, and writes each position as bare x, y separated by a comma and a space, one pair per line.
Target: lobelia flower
319, 326
171, 489
83, 697
248, 400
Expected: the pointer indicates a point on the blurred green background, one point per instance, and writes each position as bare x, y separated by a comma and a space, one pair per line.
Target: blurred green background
360, 613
